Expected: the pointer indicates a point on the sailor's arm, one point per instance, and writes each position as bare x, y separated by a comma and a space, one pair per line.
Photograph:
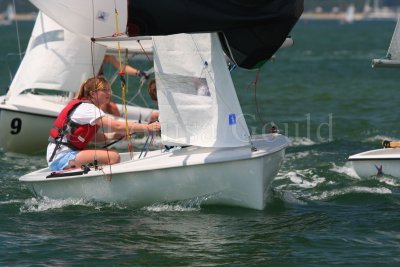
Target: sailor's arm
120, 126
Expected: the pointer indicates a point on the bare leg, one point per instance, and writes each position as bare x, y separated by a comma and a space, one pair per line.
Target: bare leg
103, 156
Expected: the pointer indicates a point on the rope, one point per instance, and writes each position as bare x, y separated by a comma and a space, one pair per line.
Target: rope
147, 145
144, 146
123, 86
151, 143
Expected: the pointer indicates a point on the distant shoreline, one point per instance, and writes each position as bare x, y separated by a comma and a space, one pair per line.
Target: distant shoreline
29, 16
22, 17
329, 16
344, 16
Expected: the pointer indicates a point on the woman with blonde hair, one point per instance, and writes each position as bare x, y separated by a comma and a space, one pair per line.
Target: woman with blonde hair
77, 125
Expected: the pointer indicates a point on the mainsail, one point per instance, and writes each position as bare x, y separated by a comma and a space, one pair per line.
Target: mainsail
196, 96
56, 59
89, 18
392, 58
251, 31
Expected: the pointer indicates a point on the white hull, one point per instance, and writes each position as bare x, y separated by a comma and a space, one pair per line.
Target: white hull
385, 161
227, 176
25, 121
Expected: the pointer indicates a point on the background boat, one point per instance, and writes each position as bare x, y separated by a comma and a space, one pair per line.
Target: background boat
377, 163
7, 16
56, 62
392, 58
382, 161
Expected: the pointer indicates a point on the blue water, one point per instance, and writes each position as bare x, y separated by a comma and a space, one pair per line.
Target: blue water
323, 94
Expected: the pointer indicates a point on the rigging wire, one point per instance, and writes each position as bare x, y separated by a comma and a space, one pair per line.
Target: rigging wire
92, 48
17, 30
94, 74
10, 73
144, 51
254, 83
143, 79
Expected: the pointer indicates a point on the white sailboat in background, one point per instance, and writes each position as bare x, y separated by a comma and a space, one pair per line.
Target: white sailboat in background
8, 16
378, 12
349, 17
392, 58
198, 108
385, 161
56, 62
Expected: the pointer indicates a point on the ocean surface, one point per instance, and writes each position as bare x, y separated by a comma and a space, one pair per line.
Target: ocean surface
323, 94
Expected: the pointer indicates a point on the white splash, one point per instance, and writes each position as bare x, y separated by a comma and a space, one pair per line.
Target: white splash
304, 178
11, 201
298, 155
170, 207
380, 138
301, 141
347, 169
192, 204
44, 204
289, 197
353, 189
389, 180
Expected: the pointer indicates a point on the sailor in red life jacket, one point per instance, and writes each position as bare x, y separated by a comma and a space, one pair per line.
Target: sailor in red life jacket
77, 125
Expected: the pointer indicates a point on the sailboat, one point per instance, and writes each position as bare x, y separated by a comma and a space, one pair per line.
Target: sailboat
384, 161
215, 159
222, 164
8, 16
376, 12
349, 15
392, 58
56, 62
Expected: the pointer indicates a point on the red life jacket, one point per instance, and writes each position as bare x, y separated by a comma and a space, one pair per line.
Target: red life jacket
78, 135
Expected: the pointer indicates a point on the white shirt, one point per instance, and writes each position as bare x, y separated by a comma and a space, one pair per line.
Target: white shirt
85, 113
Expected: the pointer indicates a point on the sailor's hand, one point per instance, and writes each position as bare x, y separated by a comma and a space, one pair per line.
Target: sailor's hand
115, 136
154, 127
142, 74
